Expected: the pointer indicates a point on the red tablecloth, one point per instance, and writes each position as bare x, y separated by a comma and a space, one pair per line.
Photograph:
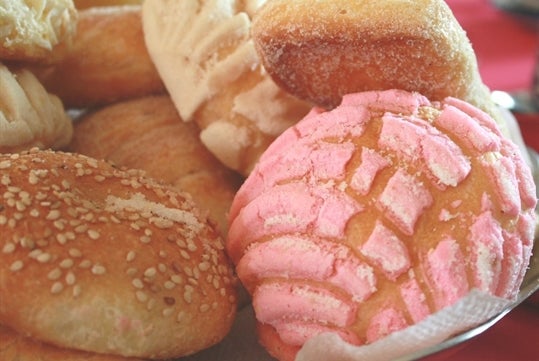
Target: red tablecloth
505, 45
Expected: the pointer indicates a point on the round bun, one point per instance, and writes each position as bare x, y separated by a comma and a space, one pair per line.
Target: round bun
396, 206
106, 260
320, 51
205, 55
107, 62
29, 115
31, 29
148, 134
16, 347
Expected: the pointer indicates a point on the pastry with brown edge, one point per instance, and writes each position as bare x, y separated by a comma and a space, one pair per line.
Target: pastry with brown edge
107, 62
322, 50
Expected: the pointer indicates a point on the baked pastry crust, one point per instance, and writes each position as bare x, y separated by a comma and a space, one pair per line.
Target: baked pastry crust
107, 61
29, 115
106, 260
31, 29
148, 134
320, 51
16, 347
205, 55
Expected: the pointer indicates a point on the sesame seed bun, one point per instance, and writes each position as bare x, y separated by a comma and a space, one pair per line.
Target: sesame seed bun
105, 260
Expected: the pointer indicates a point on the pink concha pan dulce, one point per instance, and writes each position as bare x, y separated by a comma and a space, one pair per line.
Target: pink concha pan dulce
367, 218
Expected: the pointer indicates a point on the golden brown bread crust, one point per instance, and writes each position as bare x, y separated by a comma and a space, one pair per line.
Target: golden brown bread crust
148, 134
105, 260
31, 29
108, 61
29, 115
323, 50
16, 347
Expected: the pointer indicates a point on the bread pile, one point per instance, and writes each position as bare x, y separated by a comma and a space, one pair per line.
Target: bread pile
152, 150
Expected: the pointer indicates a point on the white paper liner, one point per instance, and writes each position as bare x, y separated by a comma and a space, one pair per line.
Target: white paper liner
475, 308
241, 344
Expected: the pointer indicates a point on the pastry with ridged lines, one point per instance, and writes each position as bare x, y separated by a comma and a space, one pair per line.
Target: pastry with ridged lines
205, 55
396, 207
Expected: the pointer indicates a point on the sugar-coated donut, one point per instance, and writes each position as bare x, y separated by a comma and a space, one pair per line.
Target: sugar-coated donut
105, 260
30, 116
205, 55
31, 29
107, 61
322, 50
16, 347
365, 219
147, 133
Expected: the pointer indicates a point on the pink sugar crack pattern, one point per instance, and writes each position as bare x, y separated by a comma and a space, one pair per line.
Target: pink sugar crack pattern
329, 218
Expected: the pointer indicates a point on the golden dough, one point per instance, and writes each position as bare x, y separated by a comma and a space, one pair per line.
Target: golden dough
31, 29
108, 61
107, 260
83, 4
206, 58
148, 134
16, 347
320, 51
29, 116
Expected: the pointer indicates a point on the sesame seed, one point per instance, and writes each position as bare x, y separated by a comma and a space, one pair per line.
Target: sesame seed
85, 263
76, 290
184, 254
187, 296
131, 271
169, 285
150, 272
137, 283
145, 239
5, 164
98, 269
34, 213
74, 252
53, 215
66, 263
130, 256
176, 279
44, 257
55, 274
151, 304
61, 238
168, 311
93, 234
8, 248
204, 266
70, 278
16, 266
57, 287
141, 296
204, 308
161, 267
180, 316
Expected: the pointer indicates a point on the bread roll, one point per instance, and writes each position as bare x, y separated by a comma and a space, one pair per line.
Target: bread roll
107, 61
16, 347
395, 206
148, 134
29, 115
320, 51
205, 55
105, 260
31, 29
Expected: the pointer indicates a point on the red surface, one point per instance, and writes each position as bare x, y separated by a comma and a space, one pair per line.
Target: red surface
505, 46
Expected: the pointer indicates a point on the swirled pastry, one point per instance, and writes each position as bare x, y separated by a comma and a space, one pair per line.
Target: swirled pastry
205, 55
29, 115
